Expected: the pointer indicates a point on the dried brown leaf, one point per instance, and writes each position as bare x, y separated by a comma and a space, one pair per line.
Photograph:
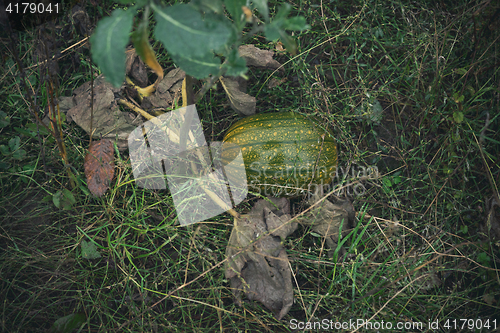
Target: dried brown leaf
137, 70
108, 121
280, 47
240, 102
163, 96
261, 270
81, 21
169, 81
256, 57
326, 217
99, 166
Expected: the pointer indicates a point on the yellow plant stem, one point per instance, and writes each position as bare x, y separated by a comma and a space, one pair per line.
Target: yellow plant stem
188, 98
142, 92
139, 111
140, 39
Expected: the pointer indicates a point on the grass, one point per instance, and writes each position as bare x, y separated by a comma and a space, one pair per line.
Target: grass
387, 78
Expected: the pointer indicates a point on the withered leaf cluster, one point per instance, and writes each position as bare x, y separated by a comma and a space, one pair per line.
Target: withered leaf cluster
258, 266
235, 88
326, 217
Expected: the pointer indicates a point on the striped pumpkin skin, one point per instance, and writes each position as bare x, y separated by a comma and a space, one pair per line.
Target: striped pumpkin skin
283, 153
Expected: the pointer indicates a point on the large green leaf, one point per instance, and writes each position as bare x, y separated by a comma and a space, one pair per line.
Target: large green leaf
207, 6
109, 40
234, 64
234, 9
283, 12
198, 67
272, 31
261, 6
184, 32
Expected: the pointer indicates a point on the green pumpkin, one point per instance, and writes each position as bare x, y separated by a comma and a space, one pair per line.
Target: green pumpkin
283, 153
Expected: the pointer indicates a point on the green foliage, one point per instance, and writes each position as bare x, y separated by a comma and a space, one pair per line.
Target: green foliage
276, 29
196, 35
89, 250
458, 117
484, 259
184, 31
234, 9
4, 119
13, 149
63, 199
108, 44
68, 323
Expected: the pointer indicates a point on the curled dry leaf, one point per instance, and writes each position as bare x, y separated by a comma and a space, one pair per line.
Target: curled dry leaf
256, 57
325, 219
108, 121
81, 21
99, 167
166, 91
240, 102
280, 47
258, 265
135, 67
